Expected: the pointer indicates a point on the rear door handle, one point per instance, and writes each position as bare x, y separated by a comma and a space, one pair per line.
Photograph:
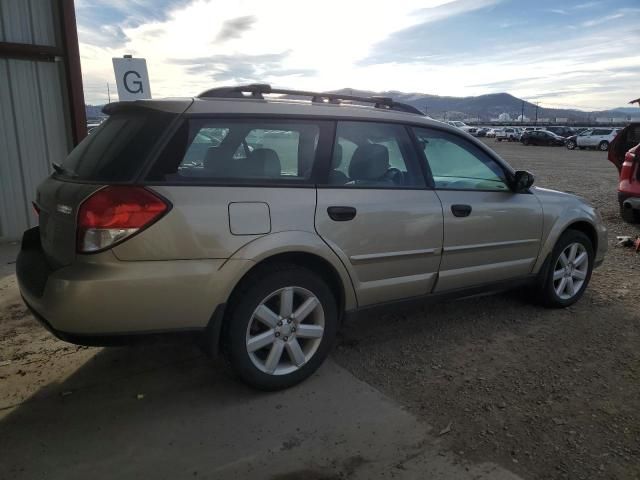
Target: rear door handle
461, 210
341, 214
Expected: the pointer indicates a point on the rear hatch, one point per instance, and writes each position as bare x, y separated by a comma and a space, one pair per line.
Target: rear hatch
115, 153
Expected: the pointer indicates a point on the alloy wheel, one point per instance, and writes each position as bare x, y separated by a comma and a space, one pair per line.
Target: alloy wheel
570, 271
285, 330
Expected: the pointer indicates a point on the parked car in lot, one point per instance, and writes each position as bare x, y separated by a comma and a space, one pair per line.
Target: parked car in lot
599, 138
462, 126
481, 132
257, 247
509, 134
491, 133
541, 137
624, 153
571, 142
561, 131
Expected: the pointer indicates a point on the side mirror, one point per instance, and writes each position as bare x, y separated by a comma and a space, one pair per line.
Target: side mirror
522, 181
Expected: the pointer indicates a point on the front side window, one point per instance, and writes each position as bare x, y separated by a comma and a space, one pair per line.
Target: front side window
457, 164
368, 154
244, 150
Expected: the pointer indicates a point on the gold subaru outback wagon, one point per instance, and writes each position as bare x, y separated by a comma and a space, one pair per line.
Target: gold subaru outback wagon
261, 222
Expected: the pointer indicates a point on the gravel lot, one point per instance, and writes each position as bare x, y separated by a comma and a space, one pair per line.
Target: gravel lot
545, 393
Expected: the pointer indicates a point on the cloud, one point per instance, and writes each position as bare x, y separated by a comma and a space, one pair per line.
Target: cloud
601, 20
452, 9
235, 27
586, 5
442, 47
102, 23
241, 68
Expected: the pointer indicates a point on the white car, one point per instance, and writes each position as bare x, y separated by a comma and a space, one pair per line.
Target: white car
462, 126
509, 134
599, 138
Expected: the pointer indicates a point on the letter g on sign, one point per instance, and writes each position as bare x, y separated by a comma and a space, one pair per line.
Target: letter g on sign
133, 85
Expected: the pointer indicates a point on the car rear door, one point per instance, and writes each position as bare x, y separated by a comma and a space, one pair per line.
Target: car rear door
491, 234
376, 212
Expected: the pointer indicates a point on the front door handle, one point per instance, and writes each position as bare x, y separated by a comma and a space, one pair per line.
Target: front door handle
461, 210
341, 214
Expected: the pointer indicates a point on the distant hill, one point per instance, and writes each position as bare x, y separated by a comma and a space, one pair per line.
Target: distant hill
486, 107
481, 107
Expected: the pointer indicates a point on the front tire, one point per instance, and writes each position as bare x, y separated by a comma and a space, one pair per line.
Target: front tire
566, 278
281, 326
603, 146
571, 145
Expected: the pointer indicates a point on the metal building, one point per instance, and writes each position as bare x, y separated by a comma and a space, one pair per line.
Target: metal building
42, 112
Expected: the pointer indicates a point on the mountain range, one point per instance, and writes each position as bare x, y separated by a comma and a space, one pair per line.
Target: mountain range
486, 107
481, 107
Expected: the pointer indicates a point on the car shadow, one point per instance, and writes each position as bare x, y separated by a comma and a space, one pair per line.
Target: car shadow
119, 394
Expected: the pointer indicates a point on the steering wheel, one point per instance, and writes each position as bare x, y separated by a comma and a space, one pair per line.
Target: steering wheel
395, 175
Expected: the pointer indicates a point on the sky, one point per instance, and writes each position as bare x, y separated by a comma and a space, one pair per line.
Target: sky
564, 54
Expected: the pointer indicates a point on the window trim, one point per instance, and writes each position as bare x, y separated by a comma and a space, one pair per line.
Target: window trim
508, 174
322, 163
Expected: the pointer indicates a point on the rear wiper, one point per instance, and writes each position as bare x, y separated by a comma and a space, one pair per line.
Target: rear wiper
62, 171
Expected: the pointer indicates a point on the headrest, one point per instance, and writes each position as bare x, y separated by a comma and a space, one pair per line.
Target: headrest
369, 162
264, 162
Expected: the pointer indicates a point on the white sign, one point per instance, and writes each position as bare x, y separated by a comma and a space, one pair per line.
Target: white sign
132, 78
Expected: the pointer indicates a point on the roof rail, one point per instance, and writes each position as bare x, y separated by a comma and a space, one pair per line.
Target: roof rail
258, 90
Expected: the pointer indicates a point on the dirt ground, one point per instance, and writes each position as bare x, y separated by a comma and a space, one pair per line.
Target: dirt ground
545, 393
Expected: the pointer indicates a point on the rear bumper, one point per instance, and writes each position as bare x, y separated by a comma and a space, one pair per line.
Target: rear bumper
99, 297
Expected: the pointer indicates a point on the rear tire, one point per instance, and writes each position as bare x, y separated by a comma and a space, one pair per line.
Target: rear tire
571, 145
526, 141
564, 280
263, 339
603, 146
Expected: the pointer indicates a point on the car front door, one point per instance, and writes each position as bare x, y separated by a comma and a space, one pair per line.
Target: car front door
583, 139
375, 211
491, 234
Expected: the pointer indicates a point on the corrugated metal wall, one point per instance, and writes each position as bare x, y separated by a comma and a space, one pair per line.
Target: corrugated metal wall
34, 125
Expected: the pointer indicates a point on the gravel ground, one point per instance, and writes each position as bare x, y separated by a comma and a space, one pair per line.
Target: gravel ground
545, 393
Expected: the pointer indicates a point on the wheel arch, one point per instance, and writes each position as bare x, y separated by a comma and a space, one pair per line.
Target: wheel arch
308, 260
294, 247
588, 229
572, 222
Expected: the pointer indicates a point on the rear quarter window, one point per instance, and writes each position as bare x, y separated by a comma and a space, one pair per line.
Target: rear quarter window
239, 151
117, 149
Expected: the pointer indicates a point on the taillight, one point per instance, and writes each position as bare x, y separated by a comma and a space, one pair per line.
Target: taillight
115, 213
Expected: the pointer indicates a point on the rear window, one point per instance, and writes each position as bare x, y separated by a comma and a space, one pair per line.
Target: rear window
117, 149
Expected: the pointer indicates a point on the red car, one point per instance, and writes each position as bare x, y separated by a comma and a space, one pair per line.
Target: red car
624, 153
